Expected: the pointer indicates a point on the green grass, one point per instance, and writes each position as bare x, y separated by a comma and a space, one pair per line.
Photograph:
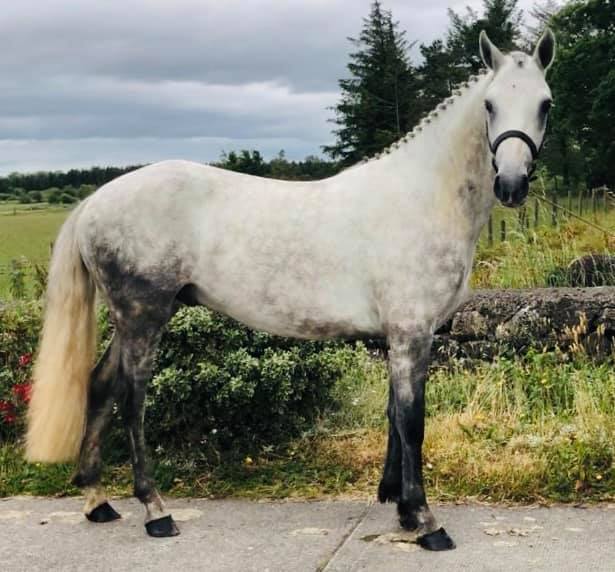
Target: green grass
539, 428
29, 234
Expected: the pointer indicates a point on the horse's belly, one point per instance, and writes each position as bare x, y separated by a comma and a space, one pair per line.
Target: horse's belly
293, 312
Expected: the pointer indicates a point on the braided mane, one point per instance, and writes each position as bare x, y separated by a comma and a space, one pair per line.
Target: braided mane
427, 120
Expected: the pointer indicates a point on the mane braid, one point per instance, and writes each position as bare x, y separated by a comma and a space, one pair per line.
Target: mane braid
427, 119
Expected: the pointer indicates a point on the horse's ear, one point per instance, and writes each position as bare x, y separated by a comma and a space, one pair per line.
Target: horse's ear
545, 49
492, 57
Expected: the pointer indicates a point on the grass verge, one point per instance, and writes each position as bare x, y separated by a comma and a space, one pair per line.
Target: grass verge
535, 429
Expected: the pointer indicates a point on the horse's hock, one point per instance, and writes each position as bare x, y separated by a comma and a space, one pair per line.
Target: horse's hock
493, 321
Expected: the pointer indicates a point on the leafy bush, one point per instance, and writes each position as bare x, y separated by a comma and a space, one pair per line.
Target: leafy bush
216, 383
67, 199
36, 196
19, 326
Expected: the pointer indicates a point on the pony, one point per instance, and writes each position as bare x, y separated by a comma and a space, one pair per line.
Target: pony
384, 248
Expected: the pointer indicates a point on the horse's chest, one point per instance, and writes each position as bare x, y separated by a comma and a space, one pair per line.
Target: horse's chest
432, 287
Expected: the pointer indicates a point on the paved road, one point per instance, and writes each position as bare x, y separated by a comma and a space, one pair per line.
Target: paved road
233, 535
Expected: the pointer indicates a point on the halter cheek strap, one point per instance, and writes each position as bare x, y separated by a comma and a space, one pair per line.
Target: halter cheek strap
514, 134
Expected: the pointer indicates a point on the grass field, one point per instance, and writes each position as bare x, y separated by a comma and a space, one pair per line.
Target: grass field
27, 233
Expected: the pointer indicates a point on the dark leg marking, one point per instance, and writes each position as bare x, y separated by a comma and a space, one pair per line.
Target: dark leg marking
408, 363
389, 489
103, 391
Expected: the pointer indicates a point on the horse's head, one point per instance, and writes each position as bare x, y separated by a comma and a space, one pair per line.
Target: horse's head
517, 104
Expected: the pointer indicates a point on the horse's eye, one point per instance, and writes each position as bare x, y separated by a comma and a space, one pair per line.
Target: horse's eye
545, 106
488, 106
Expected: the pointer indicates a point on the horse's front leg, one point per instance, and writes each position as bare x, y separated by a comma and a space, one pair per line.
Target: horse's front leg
408, 363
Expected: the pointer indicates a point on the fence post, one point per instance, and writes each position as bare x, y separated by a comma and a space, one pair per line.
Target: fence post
490, 231
605, 196
580, 209
554, 211
569, 200
594, 204
503, 230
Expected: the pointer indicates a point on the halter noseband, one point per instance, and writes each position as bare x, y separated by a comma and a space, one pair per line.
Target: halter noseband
514, 133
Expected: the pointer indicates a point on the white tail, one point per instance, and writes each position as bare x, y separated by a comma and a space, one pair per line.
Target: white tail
57, 413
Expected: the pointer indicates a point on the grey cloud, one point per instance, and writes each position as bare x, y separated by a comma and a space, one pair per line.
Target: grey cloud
232, 72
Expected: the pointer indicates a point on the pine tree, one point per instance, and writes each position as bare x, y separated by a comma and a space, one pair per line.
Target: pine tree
501, 20
542, 13
447, 64
379, 101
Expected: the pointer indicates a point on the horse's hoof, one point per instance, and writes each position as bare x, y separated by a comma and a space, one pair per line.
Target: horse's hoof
388, 492
438, 540
103, 513
162, 527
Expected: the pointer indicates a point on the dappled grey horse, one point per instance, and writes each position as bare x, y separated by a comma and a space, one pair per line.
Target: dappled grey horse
383, 248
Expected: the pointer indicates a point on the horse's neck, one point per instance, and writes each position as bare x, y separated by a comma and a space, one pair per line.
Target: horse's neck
447, 162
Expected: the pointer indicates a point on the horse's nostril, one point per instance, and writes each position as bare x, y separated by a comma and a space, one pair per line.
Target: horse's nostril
497, 187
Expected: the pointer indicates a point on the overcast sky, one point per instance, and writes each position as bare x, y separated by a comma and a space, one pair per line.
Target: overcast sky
116, 82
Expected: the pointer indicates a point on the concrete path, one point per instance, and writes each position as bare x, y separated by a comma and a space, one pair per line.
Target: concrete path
233, 535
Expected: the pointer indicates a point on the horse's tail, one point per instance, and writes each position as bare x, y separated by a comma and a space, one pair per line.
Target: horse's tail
57, 412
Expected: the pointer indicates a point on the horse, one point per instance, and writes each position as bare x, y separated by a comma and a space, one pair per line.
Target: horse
383, 248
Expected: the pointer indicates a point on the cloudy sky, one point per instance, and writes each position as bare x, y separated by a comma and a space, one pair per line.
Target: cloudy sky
115, 82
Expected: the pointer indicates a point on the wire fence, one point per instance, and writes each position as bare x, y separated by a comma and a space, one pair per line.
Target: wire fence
587, 207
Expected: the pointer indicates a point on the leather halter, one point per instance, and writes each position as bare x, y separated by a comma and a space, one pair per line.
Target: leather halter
514, 134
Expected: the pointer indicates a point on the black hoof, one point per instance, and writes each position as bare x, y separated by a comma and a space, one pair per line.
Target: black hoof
388, 492
162, 527
103, 513
437, 540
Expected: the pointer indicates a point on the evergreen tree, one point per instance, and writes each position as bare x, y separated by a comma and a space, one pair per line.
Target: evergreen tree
436, 75
447, 64
379, 101
501, 20
583, 83
542, 13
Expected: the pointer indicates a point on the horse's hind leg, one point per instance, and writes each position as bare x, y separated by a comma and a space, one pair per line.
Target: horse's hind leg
103, 391
139, 346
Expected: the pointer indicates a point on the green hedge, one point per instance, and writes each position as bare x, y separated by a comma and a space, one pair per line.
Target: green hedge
216, 383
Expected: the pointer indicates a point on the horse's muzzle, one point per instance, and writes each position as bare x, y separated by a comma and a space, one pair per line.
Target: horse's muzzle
511, 191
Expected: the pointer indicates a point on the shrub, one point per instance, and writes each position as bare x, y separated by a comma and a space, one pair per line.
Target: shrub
19, 326
216, 383
67, 199
36, 196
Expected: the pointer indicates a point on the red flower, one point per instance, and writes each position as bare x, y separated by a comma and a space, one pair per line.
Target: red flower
25, 360
7, 411
23, 391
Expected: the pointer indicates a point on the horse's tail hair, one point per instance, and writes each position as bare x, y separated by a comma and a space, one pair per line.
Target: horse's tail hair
57, 411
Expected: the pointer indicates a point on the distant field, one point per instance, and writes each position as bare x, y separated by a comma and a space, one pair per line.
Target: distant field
27, 233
